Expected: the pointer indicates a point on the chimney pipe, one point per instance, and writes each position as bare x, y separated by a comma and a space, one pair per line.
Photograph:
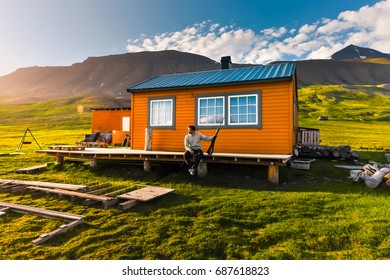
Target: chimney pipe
226, 62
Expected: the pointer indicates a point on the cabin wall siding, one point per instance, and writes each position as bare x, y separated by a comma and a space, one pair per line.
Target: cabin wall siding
108, 120
274, 137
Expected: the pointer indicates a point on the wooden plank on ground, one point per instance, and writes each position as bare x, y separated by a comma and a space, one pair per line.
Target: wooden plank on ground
46, 236
73, 194
44, 184
32, 168
146, 194
24, 209
127, 204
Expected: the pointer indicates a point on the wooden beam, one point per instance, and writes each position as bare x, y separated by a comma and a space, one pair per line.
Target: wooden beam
273, 174
23, 209
46, 236
43, 184
127, 204
73, 194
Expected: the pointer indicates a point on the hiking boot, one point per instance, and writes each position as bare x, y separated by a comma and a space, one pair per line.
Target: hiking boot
192, 171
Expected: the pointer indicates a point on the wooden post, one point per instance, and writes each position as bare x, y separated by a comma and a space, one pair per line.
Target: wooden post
273, 174
148, 147
148, 139
60, 160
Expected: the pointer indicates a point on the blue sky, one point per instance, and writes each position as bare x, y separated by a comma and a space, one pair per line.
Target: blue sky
60, 33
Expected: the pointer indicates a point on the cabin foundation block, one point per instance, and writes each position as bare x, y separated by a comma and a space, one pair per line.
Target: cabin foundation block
202, 169
273, 174
59, 160
147, 166
93, 162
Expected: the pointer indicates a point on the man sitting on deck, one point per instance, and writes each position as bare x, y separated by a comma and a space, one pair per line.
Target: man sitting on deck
194, 148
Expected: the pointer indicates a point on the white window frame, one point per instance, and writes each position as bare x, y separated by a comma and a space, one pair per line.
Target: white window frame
242, 107
165, 115
217, 118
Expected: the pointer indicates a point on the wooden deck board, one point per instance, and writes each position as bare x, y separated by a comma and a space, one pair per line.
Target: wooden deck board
168, 156
146, 194
67, 148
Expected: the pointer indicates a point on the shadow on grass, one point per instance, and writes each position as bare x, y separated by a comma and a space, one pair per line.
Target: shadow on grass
323, 176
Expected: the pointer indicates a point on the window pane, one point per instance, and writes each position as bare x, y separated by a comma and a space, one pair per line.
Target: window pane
242, 100
219, 111
210, 110
243, 118
251, 109
233, 119
252, 100
252, 118
242, 110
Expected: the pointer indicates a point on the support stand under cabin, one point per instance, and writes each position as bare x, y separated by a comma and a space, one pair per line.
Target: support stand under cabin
96, 155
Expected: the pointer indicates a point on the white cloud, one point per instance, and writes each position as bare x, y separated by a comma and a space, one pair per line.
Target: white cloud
366, 27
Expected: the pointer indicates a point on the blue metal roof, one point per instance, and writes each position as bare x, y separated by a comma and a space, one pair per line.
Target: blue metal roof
218, 77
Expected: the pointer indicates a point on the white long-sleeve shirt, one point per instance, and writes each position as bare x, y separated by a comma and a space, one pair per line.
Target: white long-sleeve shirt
192, 141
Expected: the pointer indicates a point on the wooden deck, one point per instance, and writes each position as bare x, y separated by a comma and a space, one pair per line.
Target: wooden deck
141, 155
273, 161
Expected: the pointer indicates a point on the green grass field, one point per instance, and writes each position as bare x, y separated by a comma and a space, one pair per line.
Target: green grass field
233, 213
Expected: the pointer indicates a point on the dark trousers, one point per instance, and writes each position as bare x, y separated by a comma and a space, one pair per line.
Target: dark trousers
196, 158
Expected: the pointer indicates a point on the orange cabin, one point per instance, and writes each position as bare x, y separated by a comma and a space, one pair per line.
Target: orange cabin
256, 108
115, 120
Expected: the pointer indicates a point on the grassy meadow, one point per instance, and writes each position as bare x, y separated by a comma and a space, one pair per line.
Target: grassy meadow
232, 213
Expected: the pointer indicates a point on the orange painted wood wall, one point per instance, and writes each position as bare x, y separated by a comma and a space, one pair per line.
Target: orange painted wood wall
108, 120
278, 120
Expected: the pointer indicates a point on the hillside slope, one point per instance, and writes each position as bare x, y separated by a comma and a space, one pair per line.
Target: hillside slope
101, 76
106, 78
336, 72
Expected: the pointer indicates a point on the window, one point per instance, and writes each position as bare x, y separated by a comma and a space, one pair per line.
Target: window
210, 110
126, 124
161, 112
236, 109
243, 110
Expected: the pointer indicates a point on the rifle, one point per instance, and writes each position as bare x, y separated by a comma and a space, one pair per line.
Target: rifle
210, 150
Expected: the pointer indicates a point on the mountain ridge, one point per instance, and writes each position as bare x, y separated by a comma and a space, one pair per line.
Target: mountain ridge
108, 77
356, 52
